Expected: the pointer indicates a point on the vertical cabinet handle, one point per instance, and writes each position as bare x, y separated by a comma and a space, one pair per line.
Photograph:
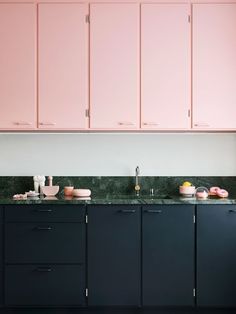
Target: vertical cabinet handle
153, 211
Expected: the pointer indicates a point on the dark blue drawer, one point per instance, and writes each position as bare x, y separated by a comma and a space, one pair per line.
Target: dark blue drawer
45, 285
54, 212
45, 242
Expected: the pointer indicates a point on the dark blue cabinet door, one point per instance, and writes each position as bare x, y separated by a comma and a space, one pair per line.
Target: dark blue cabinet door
168, 255
216, 255
114, 255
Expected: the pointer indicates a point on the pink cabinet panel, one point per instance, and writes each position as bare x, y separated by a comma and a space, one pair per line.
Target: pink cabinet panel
63, 65
17, 66
165, 66
114, 67
214, 66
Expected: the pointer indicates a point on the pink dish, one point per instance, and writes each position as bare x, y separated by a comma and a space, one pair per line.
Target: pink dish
50, 190
187, 191
81, 192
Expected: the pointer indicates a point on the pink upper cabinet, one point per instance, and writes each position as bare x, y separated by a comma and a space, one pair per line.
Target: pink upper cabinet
62, 65
214, 66
17, 66
165, 66
114, 76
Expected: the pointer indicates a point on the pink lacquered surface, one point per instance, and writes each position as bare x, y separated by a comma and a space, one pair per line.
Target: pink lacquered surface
214, 66
17, 66
165, 61
114, 67
63, 65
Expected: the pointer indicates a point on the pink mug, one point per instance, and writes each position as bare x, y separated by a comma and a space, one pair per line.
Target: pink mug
68, 190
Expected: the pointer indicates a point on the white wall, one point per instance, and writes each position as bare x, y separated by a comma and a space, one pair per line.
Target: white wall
118, 154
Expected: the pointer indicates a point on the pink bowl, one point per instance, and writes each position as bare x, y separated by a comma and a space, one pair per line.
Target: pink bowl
187, 190
81, 192
50, 190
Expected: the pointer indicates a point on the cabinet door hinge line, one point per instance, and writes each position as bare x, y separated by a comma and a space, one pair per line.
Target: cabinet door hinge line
86, 219
194, 219
194, 292
87, 18
189, 18
86, 292
87, 113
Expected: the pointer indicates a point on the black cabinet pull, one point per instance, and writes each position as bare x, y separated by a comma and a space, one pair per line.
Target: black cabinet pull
43, 228
43, 269
232, 211
153, 211
43, 210
128, 211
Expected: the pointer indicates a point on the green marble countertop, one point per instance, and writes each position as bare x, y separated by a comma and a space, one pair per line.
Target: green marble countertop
120, 200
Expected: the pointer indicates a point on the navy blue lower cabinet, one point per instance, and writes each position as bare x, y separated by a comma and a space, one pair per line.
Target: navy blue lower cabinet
168, 255
216, 255
45, 285
114, 253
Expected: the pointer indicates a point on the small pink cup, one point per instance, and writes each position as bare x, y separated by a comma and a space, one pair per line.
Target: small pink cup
68, 190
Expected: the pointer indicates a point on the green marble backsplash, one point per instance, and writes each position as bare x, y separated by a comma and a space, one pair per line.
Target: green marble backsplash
116, 186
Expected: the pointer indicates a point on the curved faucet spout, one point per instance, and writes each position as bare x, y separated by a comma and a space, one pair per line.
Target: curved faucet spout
137, 186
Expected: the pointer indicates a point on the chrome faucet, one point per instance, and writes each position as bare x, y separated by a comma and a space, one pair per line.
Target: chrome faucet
137, 186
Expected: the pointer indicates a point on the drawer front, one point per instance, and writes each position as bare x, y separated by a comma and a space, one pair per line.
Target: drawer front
45, 243
45, 285
57, 213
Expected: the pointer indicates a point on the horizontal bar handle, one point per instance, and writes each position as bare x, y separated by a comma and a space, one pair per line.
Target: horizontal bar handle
128, 211
125, 123
22, 123
201, 124
47, 123
232, 211
150, 123
43, 210
44, 269
48, 228
153, 211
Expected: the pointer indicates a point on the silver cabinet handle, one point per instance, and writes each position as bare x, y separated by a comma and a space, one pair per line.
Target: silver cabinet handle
150, 123
47, 123
22, 123
43, 269
127, 211
201, 124
153, 211
125, 123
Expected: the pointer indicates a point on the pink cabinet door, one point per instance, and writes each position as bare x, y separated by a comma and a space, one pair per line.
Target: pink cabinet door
165, 66
62, 65
214, 66
17, 66
114, 57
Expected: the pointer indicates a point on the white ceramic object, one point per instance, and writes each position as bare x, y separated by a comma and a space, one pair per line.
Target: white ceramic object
187, 191
50, 190
81, 192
